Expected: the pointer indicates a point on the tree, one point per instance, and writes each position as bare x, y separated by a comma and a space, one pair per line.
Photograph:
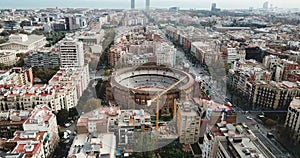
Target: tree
73, 112
37, 32
91, 104
2, 41
107, 72
270, 122
62, 116
20, 62
44, 74
4, 33
101, 89
23, 32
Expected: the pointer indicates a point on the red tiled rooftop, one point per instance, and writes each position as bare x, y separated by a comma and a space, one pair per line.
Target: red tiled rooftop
55, 79
45, 94
46, 116
20, 148
39, 136
29, 94
84, 118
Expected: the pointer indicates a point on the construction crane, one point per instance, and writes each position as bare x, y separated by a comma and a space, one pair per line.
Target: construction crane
157, 99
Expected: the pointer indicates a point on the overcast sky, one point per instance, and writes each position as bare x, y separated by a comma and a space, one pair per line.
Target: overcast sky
203, 4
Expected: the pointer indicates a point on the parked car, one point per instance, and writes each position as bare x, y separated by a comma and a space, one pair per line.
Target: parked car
249, 118
68, 131
67, 124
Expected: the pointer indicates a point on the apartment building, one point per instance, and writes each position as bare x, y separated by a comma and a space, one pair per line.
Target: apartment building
282, 69
129, 123
16, 76
33, 134
100, 145
188, 122
91, 38
205, 52
42, 59
12, 121
293, 120
43, 120
76, 79
96, 121
243, 73
32, 142
234, 52
273, 95
71, 53
8, 57
223, 139
165, 54
239, 146
116, 53
32, 149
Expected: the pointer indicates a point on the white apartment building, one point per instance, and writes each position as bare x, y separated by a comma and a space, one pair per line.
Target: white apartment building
8, 58
235, 53
293, 120
71, 54
43, 120
165, 54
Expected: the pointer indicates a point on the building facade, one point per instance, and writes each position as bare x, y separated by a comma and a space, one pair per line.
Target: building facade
24, 42
42, 59
188, 122
71, 54
293, 120
273, 95
8, 57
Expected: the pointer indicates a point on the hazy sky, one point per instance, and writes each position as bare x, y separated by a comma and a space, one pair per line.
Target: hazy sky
203, 4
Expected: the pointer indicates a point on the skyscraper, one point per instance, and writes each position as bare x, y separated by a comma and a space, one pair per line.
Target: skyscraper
132, 4
266, 5
213, 7
147, 4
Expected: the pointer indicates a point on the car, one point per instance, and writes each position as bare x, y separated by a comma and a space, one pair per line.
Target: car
249, 118
67, 124
270, 135
66, 136
260, 116
68, 131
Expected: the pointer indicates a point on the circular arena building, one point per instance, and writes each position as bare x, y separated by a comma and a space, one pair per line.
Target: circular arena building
132, 87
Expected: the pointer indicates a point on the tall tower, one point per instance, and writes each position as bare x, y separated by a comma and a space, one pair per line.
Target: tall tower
147, 4
132, 4
266, 5
213, 7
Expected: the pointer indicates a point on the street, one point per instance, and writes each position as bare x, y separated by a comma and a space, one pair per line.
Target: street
210, 86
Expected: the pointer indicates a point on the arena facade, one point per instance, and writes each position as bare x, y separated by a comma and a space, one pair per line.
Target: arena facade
131, 87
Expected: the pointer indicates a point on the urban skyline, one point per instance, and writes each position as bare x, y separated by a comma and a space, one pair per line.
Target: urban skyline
140, 4
149, 82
